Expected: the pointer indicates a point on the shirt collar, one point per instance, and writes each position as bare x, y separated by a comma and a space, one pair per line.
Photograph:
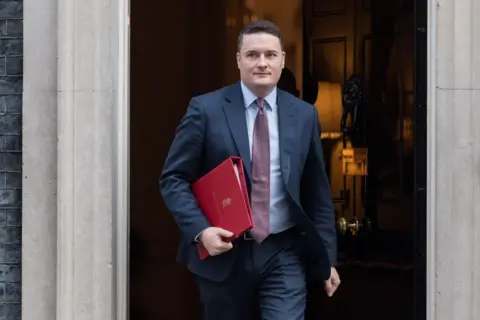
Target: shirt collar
249, 97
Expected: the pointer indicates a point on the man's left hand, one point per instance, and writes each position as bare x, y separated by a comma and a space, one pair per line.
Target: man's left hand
331, 285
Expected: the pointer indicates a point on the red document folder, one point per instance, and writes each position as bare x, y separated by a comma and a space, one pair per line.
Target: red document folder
223, 198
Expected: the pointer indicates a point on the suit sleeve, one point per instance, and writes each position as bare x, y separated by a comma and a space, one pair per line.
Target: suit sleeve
181, 169
316, 195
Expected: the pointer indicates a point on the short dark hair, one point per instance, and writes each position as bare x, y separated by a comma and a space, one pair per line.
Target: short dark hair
260, 26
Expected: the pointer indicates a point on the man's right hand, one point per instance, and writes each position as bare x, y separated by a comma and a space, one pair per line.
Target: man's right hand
213, 239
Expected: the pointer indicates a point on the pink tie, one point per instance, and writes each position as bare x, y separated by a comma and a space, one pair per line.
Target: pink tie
260, 197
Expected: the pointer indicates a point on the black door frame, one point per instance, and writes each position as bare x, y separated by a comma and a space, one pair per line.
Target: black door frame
420, 158
420, 153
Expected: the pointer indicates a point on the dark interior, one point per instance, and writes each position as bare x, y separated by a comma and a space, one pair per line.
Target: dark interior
191, 49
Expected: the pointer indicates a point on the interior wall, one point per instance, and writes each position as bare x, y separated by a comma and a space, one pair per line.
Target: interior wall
338, 33
159, 90
341, 37
290, 20
176, 52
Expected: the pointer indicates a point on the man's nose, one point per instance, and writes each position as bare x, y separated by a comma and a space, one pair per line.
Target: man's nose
262, 62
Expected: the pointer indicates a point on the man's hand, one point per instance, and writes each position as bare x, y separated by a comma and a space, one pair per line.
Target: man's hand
331, 285
213, 239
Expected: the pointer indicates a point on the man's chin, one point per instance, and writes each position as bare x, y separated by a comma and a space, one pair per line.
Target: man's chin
264, 83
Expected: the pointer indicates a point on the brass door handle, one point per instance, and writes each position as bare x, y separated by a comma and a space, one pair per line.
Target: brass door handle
353, 226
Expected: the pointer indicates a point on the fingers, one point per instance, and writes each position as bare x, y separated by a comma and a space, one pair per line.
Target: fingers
331, 285
329, 288
336, 282
221, 247
224, 233
331, 291
216, 240
227, 245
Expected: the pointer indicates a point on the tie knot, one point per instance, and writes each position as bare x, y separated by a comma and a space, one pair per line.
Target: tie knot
260, 102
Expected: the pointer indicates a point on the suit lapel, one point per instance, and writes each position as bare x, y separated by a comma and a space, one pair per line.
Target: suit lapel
234, 110
287, 128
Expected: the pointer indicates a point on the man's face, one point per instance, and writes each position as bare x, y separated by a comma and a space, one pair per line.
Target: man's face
260, 61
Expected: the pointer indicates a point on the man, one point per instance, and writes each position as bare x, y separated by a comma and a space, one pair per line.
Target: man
277, 136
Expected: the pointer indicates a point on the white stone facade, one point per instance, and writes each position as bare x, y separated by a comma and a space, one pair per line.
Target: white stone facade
75, 157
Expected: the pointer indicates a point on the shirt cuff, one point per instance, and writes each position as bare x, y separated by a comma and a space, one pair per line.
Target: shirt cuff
197, 238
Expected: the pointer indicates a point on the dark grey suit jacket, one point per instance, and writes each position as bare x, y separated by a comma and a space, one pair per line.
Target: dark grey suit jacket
214, 128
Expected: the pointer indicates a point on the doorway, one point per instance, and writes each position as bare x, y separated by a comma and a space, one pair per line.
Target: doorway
375, 163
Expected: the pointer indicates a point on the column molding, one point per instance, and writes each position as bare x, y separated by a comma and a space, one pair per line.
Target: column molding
39, 153
75, 160
91, 132
65, 154
121, 167
431, 154
454, 158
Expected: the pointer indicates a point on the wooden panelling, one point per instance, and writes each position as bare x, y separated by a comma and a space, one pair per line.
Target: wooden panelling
335, 33
328, 6
329, 59
172, 58
366, 57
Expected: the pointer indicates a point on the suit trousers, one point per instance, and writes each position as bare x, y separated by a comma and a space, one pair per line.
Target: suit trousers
269, 278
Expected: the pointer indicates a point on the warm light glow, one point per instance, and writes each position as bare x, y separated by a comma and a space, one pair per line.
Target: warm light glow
329, 107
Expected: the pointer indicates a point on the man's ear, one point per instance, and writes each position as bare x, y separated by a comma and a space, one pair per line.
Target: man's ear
238, 59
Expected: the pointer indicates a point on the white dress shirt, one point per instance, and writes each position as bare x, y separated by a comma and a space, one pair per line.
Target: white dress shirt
280, 218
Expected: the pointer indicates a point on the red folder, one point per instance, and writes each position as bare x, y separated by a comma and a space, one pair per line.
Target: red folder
223, 198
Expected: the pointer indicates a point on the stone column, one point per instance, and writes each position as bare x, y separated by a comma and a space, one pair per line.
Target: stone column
454, 165
87, 88
71, 164
39, 239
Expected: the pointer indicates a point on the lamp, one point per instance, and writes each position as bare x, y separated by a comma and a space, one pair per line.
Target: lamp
329, 108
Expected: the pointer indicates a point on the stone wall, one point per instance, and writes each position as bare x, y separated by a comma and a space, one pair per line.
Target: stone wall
11, 69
